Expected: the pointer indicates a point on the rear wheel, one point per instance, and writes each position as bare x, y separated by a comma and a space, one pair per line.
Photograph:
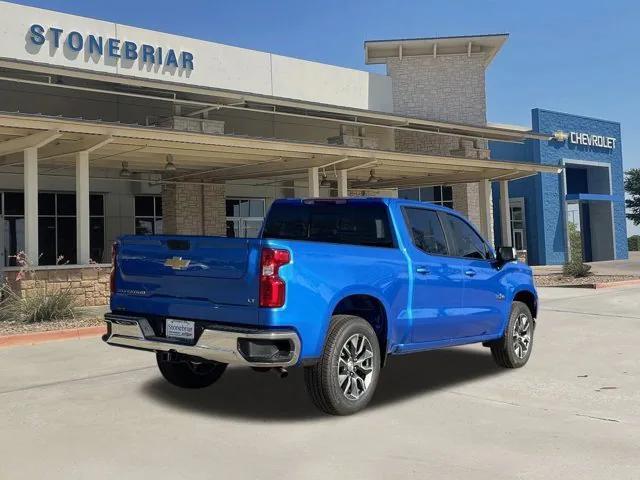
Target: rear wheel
514, 348
345, 378
184, 372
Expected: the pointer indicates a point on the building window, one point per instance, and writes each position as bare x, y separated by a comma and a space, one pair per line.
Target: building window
244, 217
12, 210
56, 227
518, 224
148, 214
440, 195
96, 228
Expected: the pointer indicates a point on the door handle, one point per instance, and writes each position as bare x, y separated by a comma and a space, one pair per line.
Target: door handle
422, 270
470, 273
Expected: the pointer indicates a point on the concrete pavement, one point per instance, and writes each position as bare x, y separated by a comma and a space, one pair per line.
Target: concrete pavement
631, 266
79, 409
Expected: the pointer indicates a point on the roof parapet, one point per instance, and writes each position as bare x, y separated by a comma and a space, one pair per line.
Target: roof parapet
379, 51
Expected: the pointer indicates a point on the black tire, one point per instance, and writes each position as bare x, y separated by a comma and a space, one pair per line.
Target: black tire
322, 380
505, 351
185, 373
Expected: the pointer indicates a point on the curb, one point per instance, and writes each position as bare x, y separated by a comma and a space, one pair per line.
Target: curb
599, 286
621, 283
51, 335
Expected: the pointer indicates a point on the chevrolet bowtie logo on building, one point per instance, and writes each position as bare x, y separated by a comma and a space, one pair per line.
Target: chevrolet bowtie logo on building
177, 263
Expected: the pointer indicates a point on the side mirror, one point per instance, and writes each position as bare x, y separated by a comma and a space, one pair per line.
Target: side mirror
506, 254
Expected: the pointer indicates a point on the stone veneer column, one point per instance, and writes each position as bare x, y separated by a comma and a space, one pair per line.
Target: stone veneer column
448, 88
215, 212
193, 209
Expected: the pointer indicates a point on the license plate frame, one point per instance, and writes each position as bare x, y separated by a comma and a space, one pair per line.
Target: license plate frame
180, 329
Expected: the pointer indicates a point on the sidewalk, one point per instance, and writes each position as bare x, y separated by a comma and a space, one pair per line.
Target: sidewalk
613, 267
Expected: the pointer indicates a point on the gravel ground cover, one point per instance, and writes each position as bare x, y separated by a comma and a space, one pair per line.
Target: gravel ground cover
557, 280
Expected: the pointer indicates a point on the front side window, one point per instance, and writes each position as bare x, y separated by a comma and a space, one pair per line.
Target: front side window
465, 242
426, 231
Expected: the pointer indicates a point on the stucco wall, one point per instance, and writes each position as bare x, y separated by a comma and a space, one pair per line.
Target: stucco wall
215, 65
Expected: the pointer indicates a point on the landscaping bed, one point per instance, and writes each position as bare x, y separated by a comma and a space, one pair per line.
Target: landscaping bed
590, 281
11, 327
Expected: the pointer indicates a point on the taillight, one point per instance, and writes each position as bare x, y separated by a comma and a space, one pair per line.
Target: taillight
112, 274
272, 287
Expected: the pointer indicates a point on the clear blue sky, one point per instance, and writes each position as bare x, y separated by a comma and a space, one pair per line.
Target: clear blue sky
580, 57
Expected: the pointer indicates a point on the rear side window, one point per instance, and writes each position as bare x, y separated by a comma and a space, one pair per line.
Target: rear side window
465, 242
355, 224
426, 230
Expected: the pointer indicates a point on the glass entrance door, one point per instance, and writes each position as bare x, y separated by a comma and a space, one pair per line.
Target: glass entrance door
518, 224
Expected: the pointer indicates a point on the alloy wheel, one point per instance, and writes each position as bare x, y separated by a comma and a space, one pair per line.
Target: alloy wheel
521, 336
355, 366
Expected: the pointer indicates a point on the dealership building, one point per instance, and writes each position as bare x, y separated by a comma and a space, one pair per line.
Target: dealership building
107, 129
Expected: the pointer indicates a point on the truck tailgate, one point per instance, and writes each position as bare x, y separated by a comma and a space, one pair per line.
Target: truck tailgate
205, 278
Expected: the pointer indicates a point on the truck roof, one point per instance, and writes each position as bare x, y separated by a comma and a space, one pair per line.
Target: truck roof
361, 200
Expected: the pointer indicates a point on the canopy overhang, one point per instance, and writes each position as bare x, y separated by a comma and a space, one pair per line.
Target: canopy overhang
221, 158
197, 100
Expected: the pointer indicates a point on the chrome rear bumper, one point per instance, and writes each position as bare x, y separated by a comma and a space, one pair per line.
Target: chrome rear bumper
221, 344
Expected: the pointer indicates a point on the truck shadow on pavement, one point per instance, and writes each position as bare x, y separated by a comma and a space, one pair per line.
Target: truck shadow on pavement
249, 395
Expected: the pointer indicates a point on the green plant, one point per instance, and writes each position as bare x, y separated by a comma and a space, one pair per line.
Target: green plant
632, 187
575, 243
38, 306
634, 243
6, 296
575, 267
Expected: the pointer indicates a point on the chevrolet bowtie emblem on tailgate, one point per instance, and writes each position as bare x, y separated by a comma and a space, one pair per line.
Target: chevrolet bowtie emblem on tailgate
177, 263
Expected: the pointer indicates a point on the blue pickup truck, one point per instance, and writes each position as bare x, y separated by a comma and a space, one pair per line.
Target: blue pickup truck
335, 286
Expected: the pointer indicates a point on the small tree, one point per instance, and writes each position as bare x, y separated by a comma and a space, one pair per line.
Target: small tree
632, 187
575, 243
634, 243
575, 266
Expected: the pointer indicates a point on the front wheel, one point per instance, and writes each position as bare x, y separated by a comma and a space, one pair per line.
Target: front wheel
345, 378
514, 348
188, 373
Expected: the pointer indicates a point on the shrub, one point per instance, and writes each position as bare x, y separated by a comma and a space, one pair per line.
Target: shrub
575, 243
634, 243
6, 296
576, 269
38, 306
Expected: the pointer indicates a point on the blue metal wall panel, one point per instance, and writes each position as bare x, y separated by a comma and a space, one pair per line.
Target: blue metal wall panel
546, 238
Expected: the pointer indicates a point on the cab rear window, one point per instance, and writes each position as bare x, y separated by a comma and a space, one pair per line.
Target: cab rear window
354, 224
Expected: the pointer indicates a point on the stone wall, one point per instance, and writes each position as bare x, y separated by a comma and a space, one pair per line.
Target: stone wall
90, 284
193, 209
466, 199
215, 212
449, 88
